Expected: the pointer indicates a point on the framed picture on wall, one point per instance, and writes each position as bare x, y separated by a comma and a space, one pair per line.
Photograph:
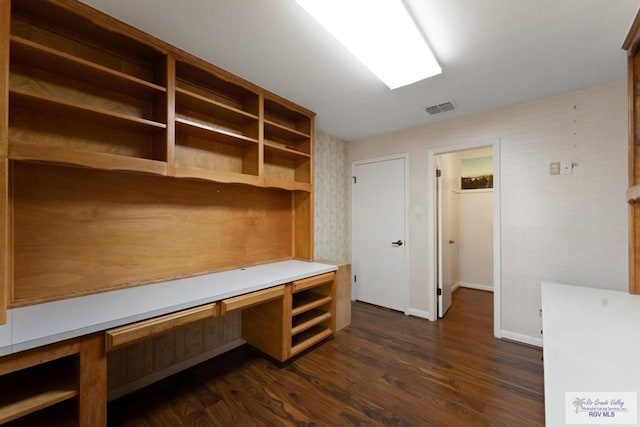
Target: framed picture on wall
476, 173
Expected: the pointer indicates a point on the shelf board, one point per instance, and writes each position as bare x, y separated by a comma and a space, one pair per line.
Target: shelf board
210, 132
308, 319
218, 109
309, 338
185, 171
19, 150
305, 301
62, 107
42, 397
43, 57
287, 185
283, 132
282, 150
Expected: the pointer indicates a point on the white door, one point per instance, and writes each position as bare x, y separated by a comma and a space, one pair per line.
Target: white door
378, 221
444, 236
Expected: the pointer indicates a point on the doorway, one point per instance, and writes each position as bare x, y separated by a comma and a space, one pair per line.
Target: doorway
379, 227
464, 220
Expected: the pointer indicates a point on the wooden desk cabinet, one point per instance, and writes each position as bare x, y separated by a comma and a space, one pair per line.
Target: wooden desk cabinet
301, 317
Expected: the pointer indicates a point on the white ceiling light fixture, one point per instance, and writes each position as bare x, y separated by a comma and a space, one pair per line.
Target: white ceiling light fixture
381, 34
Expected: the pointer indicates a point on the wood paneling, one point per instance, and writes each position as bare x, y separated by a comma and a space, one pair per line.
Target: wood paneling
5, 235
144, 361
267, 326
5, 14
78, 231
303, 225
384, 369
343, 293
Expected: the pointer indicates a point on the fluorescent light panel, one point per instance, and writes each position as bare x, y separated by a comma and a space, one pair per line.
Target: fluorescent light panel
381, 34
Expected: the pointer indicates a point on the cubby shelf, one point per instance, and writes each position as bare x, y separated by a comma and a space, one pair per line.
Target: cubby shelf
307, 301
27, 52
19, 150
308, 319
287, 185
59, 106
309, 338
194, 101
208, 131
284, 150
187, 171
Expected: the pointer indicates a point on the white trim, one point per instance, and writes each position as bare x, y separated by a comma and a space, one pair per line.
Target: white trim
526, 339
418, 313
173, 369
407, 243
475, 286
455, 287
431, 218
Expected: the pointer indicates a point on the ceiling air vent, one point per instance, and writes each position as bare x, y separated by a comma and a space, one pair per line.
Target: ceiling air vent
441, 108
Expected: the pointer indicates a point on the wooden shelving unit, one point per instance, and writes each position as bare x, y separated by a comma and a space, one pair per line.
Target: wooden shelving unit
313, 311
217, 127
39, 379
80, 93
83, 95
288, 147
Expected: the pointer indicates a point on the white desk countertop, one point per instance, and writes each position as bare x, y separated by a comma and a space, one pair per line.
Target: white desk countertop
591, 344
36, 325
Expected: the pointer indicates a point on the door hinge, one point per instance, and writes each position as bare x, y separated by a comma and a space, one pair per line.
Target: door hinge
355, 180
438, 173
439, 291
355, 278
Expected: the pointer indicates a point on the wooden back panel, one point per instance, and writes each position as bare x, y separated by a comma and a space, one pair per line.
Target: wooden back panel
78, 231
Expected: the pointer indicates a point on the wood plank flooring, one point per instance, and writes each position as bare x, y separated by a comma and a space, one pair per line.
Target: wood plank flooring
385, 369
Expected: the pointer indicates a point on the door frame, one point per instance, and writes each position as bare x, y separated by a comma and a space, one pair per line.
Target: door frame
431, 218
354, 164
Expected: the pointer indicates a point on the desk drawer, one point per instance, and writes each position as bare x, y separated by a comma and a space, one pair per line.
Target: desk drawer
251, 299
312, 282
130, 334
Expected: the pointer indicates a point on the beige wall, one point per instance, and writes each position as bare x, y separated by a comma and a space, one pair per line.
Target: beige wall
566, 228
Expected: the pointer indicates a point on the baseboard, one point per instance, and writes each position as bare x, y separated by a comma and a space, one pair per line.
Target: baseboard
173, 369
475, 286
525, 339
419, 313
455, 287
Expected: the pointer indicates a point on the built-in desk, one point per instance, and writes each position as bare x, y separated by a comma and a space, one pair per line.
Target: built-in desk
41, 324
55, 353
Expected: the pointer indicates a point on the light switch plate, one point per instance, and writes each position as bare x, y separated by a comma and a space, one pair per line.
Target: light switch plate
554, 168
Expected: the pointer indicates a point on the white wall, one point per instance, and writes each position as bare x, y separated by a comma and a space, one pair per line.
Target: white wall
475, 238
567, 228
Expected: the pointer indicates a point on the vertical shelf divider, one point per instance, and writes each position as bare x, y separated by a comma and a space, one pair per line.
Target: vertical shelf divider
171, 114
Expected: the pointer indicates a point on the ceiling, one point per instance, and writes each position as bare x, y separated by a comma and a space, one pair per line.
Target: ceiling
493, 53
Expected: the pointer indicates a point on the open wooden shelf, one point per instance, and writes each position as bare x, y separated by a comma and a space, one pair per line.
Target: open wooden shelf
217, 91
57, 106
284, 150
19, 150
309, 338
194, 101
186, 171
305, 301
286, 121
33, 389
308, 319
212, 132
32, 54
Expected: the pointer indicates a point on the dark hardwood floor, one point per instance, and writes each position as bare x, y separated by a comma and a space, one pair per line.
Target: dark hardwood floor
385, 369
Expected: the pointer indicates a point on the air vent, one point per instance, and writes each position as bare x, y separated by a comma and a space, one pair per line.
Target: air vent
441, 108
